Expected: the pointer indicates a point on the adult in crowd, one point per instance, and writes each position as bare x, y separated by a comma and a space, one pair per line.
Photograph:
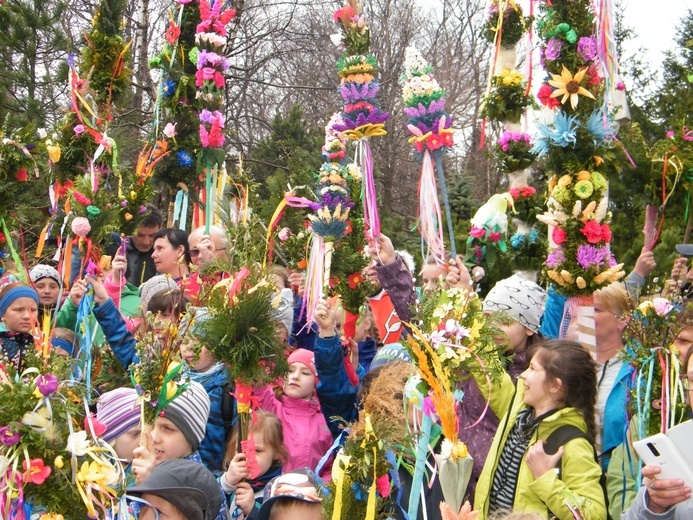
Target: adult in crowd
206, 248
140, 265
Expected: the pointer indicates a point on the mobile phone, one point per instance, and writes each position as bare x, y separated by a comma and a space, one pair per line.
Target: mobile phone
659, 450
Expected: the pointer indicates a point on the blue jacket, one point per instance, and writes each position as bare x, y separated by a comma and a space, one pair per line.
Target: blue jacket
213, 446
367, 351
121, 340
301, 335
615, 419
336, 394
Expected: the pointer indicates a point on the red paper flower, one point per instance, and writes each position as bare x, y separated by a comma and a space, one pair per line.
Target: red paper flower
592, 231
606, 233
344, 15
382, 484
448, 140
528, 191
434, 142
82, 199
354, 280
593, 77
495, 237
544, 96
36, 472
62, 188
348, 228
99, 427
3, 238
559, 236
477, 232
419, 145
21, 174
172, 33
514, 192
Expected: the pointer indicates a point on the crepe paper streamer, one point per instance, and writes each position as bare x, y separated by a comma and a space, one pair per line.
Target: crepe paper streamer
394, 478
421, 454
22, 275
446, 202
370, 506
248, 447
315, 273
180, 209
430, 217
370, 202
83, 330
208, 197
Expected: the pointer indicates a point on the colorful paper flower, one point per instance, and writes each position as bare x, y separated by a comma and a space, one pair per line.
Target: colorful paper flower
559, 236
355, 280
47, 383
172, 33
569, 87
35, 471
583, 189
8, 436
592, 231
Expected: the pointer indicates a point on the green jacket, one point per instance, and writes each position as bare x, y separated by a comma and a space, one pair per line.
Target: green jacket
129, 307
580, 472
622, 482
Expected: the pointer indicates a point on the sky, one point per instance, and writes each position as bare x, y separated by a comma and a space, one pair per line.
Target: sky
654, 21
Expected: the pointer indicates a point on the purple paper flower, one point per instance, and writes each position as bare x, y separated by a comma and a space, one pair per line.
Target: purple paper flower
555, 258
212, 59
8, 436
553, 49
591, 256
209, 117
587, 48
47, 384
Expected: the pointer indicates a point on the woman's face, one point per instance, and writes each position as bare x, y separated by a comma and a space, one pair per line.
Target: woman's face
609, 327
48, 291
167, 257
21, 315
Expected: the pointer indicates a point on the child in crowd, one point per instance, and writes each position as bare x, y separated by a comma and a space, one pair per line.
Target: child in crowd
367, 337
213, 376
119, 411
18, 314
292, 496
179, 490
176, 434
559, 388
284, 300
65, 342
46, 281
306, 435
244, 488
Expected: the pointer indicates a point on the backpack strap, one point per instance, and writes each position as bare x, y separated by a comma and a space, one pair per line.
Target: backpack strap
562, 435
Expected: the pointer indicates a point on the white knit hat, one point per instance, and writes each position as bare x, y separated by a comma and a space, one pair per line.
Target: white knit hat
41, 271
521, 299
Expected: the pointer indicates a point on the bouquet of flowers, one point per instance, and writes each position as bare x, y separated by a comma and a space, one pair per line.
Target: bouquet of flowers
158, 377
48, 463
506, 21
657, 399
488, 232
507, 100
514, 151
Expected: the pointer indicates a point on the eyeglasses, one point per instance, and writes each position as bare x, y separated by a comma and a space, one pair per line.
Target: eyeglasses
686, 381
196, 252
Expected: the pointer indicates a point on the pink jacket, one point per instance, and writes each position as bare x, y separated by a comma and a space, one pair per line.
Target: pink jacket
306, 435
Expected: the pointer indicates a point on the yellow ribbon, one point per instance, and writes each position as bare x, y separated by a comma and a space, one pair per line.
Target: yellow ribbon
338, 473
370, 507
369, 130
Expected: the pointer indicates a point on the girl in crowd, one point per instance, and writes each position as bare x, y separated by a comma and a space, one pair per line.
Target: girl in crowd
559, 388
18, 313
306, 435
46, 281
244, 490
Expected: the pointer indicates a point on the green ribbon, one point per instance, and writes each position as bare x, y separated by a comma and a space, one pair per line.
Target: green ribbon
13, 253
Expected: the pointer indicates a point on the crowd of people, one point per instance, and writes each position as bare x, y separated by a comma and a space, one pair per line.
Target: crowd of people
191, 465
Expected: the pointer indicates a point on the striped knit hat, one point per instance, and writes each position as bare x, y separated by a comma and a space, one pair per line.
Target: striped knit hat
189, 412
118, 411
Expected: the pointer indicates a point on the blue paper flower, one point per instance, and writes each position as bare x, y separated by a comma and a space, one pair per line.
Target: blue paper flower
600, 127
184, 159
564, 130
169, 88
517, 240
533, 236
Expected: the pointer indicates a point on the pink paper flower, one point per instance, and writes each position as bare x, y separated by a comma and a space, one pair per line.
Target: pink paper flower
382, 485
47, 384
477, 232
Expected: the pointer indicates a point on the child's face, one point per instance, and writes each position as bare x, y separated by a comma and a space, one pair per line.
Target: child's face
48, 291
300, 382
125, 443
300, 511
169, 441
263, 453
363, 325
517, 335
166, 510
200, 363
21, 315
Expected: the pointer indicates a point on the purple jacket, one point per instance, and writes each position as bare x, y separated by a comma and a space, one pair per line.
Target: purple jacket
478, 438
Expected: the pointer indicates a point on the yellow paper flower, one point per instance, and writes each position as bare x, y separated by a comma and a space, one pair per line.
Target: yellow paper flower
569, 87
565, 181
53, 152
510, 78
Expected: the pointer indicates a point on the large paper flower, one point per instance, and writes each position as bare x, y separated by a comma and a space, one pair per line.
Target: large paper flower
568, 86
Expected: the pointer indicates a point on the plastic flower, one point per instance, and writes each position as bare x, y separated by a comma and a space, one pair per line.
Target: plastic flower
477, 232
544, 96
47, 384
553, 49
36, 472
569, 87
21, 175
172, 33
170, 130
9, 437
77, 443
599, 127
559, 236
587, 48
564, 130
510, 78
79, 130
184, 159
590, 256
583, 189
592, 232
354, 280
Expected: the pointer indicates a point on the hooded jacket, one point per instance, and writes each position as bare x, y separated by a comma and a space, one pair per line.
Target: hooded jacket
544, 495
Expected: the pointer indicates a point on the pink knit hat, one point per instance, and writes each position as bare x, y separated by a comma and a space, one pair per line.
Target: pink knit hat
301, 355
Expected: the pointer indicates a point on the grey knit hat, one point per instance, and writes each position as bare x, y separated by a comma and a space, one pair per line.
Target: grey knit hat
154, 285
521, 299
189, 412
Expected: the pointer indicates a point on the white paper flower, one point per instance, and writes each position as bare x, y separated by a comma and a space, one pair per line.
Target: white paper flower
77, 443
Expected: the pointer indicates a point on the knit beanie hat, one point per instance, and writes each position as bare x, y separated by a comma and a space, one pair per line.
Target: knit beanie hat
189, 412
301, 355
155, 284
118, 411
521, 299
41, 271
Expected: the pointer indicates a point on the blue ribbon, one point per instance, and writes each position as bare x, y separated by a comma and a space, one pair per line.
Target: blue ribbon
421, 456
84, 332
438, 157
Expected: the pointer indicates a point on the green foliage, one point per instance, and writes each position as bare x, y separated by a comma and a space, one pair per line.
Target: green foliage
515, 24
507, 100
289, 155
